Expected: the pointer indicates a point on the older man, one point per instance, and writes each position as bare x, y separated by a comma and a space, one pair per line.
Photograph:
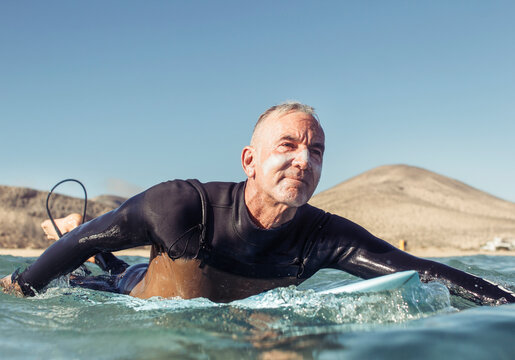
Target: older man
226, 241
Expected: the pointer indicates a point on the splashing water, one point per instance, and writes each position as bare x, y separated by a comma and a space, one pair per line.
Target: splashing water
293, 322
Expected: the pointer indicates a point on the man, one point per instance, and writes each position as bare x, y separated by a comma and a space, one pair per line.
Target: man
227, 241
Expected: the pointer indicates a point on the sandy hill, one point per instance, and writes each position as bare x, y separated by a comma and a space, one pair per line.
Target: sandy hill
109, 200
396, 202
22, 210
399, 202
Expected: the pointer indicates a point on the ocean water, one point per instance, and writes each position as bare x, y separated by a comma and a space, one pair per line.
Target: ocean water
418, 322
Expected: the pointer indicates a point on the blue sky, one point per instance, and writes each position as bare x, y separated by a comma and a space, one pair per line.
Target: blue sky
125, 94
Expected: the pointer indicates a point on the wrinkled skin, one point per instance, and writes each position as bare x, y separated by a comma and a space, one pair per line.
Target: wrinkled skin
283, 165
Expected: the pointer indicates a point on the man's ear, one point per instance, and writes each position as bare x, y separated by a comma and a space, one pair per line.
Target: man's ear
248, 161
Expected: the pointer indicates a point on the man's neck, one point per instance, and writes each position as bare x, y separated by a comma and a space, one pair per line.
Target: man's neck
265, 212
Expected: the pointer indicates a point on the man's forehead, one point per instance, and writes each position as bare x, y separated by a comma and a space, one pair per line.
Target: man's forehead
293, 122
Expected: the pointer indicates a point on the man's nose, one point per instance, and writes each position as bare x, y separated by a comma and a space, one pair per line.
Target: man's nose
301, 159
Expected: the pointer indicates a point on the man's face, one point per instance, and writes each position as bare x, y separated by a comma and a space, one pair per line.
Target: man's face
289, 153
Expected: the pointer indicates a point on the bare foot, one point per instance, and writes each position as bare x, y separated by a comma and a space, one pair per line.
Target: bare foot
65, 225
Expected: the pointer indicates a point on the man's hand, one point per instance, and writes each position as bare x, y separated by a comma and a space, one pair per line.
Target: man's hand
9, 287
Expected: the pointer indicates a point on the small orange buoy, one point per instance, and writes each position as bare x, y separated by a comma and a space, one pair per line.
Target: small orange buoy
403, 245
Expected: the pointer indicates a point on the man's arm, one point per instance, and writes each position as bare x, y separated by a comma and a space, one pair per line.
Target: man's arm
119, 229
160, 216
367, 256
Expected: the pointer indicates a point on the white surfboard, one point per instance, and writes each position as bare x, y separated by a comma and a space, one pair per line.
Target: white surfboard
381, 283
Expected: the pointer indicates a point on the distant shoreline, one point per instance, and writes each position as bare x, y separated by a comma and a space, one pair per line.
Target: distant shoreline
425, 253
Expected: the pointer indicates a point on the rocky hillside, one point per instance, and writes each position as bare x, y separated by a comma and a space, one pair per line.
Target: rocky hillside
396, 202
400, 202
22, 210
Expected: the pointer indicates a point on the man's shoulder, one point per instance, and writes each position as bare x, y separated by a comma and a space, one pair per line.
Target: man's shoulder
170, 187
220, 185
221, 193
187, 191
168, 195
334, 220
308, 210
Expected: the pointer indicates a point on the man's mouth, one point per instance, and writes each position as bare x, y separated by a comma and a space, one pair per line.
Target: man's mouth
301, 179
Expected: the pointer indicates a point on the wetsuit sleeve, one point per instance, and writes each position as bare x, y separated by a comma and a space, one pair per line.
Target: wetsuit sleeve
366, 256
154, 217
119, 229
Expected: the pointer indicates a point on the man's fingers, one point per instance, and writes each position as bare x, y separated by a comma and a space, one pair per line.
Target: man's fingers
5, 281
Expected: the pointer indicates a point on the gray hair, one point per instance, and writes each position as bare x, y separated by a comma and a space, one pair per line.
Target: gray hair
283, 108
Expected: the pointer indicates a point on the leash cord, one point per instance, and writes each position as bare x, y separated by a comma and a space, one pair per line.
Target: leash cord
48, 209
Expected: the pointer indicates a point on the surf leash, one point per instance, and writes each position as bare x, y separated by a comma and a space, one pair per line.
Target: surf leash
59, 234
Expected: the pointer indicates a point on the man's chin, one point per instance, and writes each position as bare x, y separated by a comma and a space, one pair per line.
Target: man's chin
295, 198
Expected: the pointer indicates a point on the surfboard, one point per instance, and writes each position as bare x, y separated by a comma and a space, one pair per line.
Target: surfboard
381, 283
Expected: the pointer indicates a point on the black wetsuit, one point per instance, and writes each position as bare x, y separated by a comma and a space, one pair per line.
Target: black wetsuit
210, 222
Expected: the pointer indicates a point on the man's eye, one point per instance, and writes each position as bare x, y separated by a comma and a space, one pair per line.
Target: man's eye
316, 152
288, 145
